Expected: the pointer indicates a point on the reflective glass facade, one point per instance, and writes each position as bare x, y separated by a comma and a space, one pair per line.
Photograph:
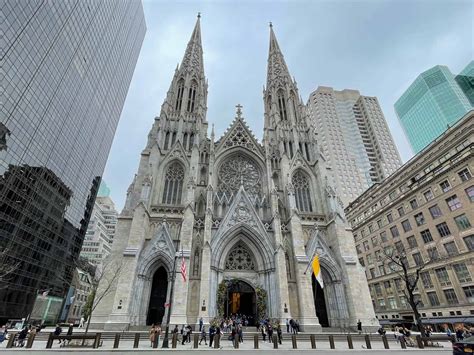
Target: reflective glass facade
67, 68
430, 105
465, 80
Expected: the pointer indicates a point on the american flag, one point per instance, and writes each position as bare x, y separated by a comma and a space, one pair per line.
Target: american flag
183, 267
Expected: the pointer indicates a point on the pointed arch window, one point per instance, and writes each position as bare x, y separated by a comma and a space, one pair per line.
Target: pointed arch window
240, 258
167, 139
179, 96
191, 97
282, 105
173, 188
302, 192
293, 102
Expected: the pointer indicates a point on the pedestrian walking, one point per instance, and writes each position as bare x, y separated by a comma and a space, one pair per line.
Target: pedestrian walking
270, 333
240, 333
203, 335
22, 337
185, 335
287, 326
359, 326
264, 332
58, 331
212, 332
152, 334
201, 322
81, 322
279, 333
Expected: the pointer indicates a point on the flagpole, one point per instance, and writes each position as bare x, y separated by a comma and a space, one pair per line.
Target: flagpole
170, 303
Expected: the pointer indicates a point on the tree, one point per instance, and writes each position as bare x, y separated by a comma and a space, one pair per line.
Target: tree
8, 266
396, 258
102, 284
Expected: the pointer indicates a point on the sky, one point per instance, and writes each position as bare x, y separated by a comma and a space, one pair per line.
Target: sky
375, 46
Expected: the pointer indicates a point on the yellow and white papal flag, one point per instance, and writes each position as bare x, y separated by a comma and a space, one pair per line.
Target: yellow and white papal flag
317, 271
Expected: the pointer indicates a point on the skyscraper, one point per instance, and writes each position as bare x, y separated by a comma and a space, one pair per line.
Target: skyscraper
67, 68
465, 80
354, 137
432, 103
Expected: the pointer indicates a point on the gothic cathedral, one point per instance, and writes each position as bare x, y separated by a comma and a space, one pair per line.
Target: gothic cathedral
246, 217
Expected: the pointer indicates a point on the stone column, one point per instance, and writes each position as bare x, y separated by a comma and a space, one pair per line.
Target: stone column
204, 292
307, 317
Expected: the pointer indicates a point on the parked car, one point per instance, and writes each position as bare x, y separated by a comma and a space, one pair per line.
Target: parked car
465, 346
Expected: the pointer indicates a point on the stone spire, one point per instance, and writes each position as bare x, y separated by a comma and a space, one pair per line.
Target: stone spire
192, 61
277, 71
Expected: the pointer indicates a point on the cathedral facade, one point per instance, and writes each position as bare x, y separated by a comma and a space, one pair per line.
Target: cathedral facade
246, 217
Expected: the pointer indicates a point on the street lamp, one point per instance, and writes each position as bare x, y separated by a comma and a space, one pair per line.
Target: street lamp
170, 303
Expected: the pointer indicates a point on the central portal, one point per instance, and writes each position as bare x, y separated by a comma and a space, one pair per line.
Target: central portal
241, 301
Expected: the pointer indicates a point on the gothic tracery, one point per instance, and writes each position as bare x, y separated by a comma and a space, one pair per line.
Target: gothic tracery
239, 258
239, 170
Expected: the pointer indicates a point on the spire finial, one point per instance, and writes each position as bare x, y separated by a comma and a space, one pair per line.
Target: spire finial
199, 15
239, 111
270, 24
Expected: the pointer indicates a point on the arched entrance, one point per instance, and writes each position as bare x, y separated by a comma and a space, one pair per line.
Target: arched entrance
240, 300
320, 303
159, 288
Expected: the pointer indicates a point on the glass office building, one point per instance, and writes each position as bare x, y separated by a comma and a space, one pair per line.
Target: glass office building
465, 80
67, 66
434, 102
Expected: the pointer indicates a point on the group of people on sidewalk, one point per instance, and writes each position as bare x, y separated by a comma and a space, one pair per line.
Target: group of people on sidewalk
293, 325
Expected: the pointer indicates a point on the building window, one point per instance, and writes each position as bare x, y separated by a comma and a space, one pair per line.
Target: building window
469, 241
401, 211
371, 228
426, 279
370, 259
406, 225
282, 105
418, 259
462, 272
179, 96
443, 229
173, 184
391, 303
451, 248
414, 203
426, 235
375, 241
470, 193
191, 97
433, 253
462, 222
302, 192
412, 241
469, 292
450, 295
378, 289
453, 203
379, 222
383, 236
435, 211
366, 245
464, 174
358, 249
445, 186
433, 298
420, 219
381, 303
389, 218
443, 277
372, 273
399, 246
382, 271
361, 261
394, 231
428, 195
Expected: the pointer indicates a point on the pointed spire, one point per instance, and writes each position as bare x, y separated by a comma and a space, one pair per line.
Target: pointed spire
192, 60
277, 69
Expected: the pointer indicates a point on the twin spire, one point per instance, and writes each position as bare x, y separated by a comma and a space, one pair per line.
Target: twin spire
193, 58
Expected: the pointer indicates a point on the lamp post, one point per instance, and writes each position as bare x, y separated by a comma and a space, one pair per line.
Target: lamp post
168, 317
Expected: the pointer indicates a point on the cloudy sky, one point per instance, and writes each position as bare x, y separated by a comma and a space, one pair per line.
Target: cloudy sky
377, 47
